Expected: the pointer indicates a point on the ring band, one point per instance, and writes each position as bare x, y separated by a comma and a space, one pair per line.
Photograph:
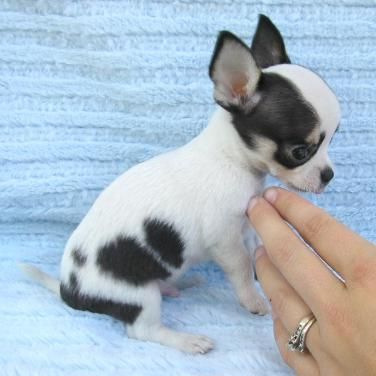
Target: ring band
298, 338
305, 330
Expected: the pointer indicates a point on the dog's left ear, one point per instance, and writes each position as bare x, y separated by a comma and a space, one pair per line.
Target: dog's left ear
268, 47
234, 72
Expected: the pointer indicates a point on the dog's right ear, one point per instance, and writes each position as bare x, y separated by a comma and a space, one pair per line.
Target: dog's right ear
234, 73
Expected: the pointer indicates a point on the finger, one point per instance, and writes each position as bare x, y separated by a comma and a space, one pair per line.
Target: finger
300, 266
333, 241
301, 363
286, 303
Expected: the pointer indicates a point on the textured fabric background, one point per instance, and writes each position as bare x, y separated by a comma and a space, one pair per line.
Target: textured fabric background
89, 88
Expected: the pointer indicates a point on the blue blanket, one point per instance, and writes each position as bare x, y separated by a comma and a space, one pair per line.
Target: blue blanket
90, 88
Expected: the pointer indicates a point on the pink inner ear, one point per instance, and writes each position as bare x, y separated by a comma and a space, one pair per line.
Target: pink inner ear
239, 83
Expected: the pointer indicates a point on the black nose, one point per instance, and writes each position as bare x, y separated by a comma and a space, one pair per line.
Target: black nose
327, 175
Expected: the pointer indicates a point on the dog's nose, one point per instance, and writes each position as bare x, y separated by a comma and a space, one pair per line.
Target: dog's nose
327, 175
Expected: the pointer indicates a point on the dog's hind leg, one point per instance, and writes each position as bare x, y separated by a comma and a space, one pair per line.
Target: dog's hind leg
148, 327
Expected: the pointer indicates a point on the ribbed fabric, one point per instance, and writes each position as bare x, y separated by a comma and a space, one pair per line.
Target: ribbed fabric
90, 88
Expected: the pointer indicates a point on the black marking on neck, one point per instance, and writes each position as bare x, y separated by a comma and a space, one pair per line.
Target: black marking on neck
163, 238
126, 259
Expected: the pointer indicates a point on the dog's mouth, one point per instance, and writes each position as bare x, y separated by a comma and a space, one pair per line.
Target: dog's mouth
306, 188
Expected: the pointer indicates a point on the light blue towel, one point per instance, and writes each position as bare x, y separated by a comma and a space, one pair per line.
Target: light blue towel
88, 89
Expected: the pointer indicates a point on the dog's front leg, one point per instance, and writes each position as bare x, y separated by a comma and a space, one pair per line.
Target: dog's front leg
236, 261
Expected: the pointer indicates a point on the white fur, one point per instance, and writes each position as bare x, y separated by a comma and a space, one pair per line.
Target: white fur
325, 103
203, 189
44, 279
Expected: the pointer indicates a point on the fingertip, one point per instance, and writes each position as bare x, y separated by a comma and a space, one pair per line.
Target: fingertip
257, 207
271, 194
252, 203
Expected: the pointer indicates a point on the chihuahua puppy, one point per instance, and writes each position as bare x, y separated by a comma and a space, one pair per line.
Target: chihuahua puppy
189, 205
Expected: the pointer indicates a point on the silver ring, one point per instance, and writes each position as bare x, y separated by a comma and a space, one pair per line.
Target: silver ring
298, 338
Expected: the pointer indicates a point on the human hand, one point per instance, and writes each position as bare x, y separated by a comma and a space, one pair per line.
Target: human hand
343, 339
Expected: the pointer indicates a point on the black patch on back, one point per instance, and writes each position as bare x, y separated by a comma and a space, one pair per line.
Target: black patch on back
126, 259
79, 259
164, 239
121, 311
282, 115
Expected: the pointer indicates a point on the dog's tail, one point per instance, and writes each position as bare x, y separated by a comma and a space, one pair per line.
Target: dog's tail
42, 278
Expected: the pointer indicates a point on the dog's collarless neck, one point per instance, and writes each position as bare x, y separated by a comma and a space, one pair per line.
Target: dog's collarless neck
221, 140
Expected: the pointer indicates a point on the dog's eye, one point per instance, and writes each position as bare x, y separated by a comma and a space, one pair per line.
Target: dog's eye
301, 152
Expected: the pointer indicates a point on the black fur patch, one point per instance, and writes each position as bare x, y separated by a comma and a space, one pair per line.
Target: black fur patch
164, 239
282, 115
124, 312
285, 158
126, 259
73, 282
268, 47
78, 258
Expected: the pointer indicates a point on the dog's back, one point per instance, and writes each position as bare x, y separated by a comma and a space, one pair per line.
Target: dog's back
184, 198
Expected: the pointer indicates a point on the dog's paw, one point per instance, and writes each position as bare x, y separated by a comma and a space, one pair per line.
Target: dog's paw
196, 344
257, 304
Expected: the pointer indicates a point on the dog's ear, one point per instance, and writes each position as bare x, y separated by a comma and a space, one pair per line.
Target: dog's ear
268, 47
234, 72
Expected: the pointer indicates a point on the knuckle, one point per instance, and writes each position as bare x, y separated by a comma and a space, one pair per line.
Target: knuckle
337, 318
284, 252
280, 301
364, 272
316, 225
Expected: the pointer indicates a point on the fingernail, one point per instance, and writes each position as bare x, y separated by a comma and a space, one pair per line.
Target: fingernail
252, 203
259, 252
271, 195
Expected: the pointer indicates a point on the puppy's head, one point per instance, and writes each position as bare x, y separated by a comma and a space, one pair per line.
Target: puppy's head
285, 114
